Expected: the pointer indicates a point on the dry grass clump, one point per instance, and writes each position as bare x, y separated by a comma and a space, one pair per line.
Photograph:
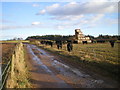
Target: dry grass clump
19, 75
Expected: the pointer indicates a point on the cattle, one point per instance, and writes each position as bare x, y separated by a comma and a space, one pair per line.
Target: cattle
59, 44
42, 42
112, 43
100, 41
84, 42
47, 43
75, 42
51, 43
69, 47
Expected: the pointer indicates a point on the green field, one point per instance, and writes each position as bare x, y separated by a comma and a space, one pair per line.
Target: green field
98, 57
14, 41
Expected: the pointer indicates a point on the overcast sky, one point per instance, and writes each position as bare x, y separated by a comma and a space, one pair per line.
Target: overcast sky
23, 19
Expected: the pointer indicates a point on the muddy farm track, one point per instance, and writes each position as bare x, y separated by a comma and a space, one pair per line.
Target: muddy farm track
50, 71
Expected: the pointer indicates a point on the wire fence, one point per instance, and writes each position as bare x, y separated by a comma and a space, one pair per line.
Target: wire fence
5, 74
7, 70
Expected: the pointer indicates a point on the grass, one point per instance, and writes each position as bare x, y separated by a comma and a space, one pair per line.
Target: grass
100, 57
21, 72
14, 41
18, 77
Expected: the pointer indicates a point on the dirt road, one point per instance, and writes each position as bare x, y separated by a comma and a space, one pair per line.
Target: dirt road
46, 71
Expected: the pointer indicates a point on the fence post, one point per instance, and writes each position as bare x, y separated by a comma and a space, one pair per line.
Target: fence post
12, 65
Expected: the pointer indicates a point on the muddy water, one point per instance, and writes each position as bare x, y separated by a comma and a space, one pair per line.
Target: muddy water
60, 83
35, 58
71, 75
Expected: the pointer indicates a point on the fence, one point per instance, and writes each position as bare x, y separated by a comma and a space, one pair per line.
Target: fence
5, 74
8, 71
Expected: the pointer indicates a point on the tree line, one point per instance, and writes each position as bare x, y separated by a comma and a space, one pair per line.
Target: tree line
51, 37
71, 37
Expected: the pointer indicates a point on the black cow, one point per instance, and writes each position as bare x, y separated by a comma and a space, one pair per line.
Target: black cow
112, 43
100, 41
42, 42
75, 42
51, 43
59, 44
84, 42
47, 43
69, 47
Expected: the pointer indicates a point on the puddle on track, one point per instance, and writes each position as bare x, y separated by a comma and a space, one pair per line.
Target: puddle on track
35, 58
73, 73
60, 82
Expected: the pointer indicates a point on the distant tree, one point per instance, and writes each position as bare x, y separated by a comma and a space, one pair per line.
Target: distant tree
19, 38
108, 37
15, 38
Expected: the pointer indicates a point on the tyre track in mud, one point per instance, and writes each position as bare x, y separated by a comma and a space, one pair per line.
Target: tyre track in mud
47, 72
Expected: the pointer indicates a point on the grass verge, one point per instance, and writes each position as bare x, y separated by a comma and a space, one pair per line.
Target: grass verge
102, 68
19, 74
